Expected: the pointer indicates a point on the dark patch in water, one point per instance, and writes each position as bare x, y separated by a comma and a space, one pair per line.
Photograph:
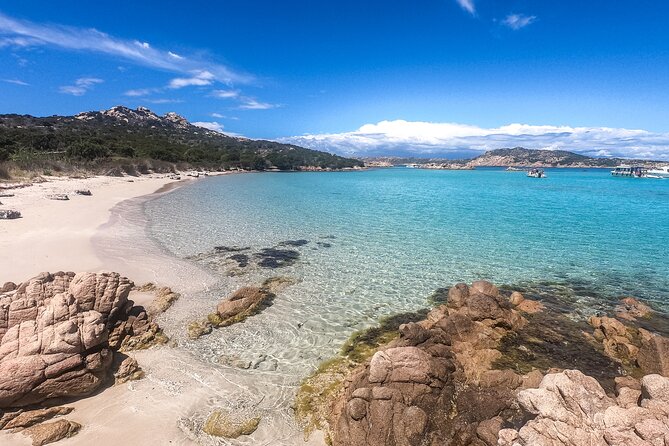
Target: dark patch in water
324, 245
231, 248
438, 297
551, 340
277, 258
294, 243
241, 259
329, 237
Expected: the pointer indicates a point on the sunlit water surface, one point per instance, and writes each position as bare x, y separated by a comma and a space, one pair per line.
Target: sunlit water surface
396, 235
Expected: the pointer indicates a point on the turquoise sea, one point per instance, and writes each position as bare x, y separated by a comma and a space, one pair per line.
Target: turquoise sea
381, 241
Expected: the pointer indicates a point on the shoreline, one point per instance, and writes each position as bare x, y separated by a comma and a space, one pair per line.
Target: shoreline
55, 235
179, 388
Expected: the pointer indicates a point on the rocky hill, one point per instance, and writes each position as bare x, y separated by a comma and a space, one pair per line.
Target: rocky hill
122, 133
521, 157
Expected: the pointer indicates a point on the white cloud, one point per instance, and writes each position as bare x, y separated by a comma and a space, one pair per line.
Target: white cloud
16, 82
198, 78
139, 92
23, 33
253, 104
225, 94
217, 115
467, 5
81, 86
164, 101
215, 126
448, 139
518, 21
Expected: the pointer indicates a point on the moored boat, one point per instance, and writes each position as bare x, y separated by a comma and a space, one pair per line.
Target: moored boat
536, 173
658, 172
629, 171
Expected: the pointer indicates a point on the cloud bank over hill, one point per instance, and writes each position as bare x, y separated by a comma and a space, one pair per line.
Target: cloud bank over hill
431, 139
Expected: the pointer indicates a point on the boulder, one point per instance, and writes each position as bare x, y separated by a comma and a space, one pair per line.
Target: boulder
22, 419
243, 303
572, 409
653, 354
85, 192
42, 434
57, 331
7, 287
435, 384
9, 214
128, 370
631, 309
60, 197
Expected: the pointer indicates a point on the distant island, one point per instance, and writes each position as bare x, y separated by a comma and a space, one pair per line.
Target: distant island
515, 157
125, 141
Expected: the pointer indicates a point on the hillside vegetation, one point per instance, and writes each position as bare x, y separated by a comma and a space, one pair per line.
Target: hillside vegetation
121, 139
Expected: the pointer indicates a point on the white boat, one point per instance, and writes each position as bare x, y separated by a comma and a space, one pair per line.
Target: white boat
536, 173
658, 172
629, 171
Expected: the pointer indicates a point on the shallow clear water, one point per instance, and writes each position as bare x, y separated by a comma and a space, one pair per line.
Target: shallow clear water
398, 234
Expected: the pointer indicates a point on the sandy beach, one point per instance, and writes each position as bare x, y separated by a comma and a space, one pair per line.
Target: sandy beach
55, 235
107, 232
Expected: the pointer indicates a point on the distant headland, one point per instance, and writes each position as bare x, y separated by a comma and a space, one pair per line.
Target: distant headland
515, 157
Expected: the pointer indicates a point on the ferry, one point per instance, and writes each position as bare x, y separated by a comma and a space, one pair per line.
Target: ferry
629, 171
536, 173
658, 172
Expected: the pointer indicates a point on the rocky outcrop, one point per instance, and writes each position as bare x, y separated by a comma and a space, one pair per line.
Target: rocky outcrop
59, 332
436, 383
467, 374
572, 409
632, 309
632, 346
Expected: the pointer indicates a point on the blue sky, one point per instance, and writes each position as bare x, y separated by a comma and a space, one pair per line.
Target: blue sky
437, 77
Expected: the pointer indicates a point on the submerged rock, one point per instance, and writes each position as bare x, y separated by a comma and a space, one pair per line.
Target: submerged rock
243, 303
295, 243
197, 329
231, 248
276, 258
227, 425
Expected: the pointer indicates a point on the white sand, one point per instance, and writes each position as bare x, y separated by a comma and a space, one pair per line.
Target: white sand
56, 235
106, 231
